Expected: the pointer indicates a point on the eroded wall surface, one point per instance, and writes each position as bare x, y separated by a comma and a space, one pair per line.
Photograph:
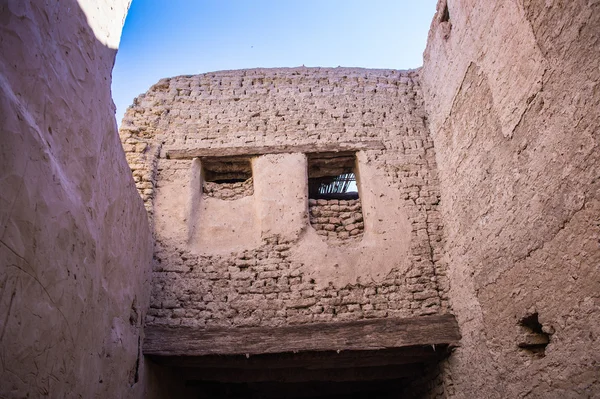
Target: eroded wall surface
512, 93
75, 245
257, 259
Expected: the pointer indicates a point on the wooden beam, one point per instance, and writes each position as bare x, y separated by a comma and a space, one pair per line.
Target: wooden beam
310, 360
301, 375
190, 153
372, 334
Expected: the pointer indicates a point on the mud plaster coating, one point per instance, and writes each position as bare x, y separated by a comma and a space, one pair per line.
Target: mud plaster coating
514, 116
274, 267
73, 284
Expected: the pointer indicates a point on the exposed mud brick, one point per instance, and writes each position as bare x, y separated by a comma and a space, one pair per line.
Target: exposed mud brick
252, 268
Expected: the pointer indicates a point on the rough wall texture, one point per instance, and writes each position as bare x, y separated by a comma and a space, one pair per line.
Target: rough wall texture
337, 219
257, 260
73, 282
512, 93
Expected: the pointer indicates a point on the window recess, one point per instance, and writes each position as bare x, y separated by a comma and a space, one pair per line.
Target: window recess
334, 204
227, 178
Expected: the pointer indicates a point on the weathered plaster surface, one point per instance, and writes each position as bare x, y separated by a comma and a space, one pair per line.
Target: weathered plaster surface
383, 247
105, 19
74, 241
513, 62
512, 92
281, 195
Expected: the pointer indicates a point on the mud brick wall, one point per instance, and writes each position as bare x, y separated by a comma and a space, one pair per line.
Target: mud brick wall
336, 219
264, 287
142, 161
228, 191
292, 106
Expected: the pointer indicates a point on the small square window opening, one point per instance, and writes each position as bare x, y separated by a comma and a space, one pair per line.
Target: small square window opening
227, 178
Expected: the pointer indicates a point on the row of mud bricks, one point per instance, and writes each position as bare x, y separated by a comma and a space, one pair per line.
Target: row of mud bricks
264, 286
337, 219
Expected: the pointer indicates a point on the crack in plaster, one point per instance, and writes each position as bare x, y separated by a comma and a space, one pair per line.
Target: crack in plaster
41, 285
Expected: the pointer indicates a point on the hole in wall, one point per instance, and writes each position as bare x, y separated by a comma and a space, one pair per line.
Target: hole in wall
334, 205
532, 336
342, 186
332, 176
227, 178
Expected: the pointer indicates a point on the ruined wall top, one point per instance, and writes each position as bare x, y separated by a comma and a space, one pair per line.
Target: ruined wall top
311, 105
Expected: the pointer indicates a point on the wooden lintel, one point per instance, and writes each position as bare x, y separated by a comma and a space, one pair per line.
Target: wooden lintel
311, 360
190, 153
371, 334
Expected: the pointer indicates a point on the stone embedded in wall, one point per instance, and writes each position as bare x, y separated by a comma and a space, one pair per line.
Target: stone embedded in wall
336, 219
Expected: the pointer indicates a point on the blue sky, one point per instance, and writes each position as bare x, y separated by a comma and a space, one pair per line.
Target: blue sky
184, 37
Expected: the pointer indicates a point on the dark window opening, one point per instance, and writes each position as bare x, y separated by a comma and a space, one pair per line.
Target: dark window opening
228, 178
331, 176
226, 170
238, 180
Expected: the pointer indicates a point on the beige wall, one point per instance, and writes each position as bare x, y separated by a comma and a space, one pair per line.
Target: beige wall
257, 260
512, 93
74, 239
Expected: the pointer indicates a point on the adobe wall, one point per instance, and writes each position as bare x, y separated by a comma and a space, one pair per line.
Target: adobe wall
511, 89
259, 257
75, 245
512, 97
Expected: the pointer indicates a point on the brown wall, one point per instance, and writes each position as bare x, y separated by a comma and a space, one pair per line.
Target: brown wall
74, 239
258, 260
512, 93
